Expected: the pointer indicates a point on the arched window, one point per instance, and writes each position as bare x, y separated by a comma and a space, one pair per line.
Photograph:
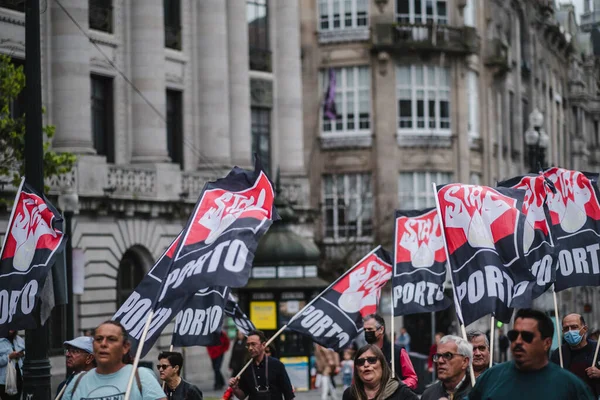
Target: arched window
132, 269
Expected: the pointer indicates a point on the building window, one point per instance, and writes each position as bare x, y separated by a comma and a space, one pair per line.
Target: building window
101, 15
102, 116
422, 11
348, 202
342, 14
19, 102
473, 104
423, 94
512, 129
261, 136
258, 35
131, 273
175, 126
352, 101
17, 5
470, 13
172, 10
415, 190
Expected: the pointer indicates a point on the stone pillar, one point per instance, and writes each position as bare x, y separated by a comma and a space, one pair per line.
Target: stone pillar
213, 80
149, 131
70, 98
288, 96
239, 83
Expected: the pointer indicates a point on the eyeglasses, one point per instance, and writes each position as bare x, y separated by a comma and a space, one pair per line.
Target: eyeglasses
162, 366
74, 351
361, 361
446, 356
514, 334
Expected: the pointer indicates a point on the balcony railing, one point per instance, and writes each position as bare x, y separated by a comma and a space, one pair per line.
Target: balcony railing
260, 59
426, 37
173, 37
17, 5
101, 15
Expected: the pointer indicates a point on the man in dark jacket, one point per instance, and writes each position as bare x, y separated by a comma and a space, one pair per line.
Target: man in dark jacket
170, 364
453, 358
578, 352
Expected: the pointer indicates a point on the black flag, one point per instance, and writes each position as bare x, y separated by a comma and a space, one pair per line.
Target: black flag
200, 321
233, 310
31, 245
484, 229
419, 263
335, 316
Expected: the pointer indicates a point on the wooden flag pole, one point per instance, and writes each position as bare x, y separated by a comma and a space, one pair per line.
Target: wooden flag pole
138, 353
464, 334
392, 335
558, 327
596, 354
492, 331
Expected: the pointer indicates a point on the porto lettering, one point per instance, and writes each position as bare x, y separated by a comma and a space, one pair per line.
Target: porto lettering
15, 300
422, 293
198, 322
580, 260
135, 311
319, 324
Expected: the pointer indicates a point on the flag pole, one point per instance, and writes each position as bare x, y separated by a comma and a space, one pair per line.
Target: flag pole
558, 327
392, 334
596, 353
138, 353
456, 303
12, 215
266, 345
492, 331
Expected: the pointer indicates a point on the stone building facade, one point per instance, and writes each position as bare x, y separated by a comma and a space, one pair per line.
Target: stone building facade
155, 98
435, 91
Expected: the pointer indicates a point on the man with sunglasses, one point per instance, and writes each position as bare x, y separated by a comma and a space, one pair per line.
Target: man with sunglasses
169, 368
578, 352
530, 375
265, 378
79, 357
481, 351
453, 358
374, 328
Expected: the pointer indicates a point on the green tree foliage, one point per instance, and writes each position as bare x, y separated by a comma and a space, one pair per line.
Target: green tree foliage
12, 130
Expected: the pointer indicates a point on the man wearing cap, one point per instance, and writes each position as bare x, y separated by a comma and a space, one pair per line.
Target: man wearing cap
79, 354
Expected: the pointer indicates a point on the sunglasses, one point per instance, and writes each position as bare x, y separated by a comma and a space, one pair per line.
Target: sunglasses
361, 361
162, 366
527, 336
446, 356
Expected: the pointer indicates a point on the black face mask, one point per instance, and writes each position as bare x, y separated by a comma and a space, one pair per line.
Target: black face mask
370, 337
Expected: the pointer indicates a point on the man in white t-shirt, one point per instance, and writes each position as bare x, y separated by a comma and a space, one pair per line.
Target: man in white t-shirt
108, 381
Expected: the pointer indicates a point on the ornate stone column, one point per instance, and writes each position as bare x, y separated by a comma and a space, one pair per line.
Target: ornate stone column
149, 141
70, 96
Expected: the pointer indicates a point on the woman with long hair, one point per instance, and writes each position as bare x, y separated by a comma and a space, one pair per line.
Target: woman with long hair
373, 378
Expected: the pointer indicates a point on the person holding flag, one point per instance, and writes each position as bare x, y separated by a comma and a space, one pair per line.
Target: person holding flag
266, 378
170, 364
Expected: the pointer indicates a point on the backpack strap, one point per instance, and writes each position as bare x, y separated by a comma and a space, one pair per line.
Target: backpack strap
77, 382
138, 381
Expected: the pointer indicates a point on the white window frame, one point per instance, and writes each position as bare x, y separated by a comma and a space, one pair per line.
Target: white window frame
363, 197
470, 13
439, 92
343, 93
341, 5
422, 18
473, 105
419, 198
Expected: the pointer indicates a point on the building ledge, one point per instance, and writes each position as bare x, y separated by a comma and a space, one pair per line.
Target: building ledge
435, 139
12, 16
346, 140
344, 35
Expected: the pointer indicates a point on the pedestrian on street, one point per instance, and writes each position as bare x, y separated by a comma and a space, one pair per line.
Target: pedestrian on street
453, 359
481, 352
79, 356
578, 352
170, 364
433, 351
530, 376
374, 327
347, 368
110, 377
12, 349
373, 378
503, 344
216, 354
265, 378
238, 354
328, 365
403, 340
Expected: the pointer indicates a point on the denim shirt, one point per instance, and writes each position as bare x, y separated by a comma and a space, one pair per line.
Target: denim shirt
6, 347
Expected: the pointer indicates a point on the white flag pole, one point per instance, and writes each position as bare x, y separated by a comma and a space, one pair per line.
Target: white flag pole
393, 333
558, 327
596, 354
492, 331
138, 353
456, 303
12, 215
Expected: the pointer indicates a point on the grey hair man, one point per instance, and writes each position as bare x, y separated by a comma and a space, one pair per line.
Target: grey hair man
453, 358
481, 351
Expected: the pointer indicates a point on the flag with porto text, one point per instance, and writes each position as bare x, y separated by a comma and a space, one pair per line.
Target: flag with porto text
241, 321
484, 231
31, 244
335, 317
419, 263
575, 218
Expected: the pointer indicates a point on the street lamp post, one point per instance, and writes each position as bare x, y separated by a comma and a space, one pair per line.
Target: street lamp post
68, 202
537, 141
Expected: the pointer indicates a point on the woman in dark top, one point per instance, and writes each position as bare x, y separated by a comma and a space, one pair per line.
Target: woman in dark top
238, 354
373, 378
